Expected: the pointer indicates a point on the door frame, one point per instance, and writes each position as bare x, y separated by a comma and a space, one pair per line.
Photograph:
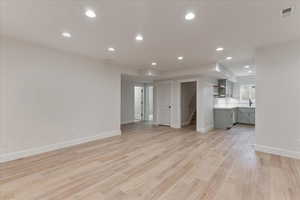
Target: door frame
179, 100
142, 102
180, 97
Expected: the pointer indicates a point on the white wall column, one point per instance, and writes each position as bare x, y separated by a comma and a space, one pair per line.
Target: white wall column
204, 106
175, 105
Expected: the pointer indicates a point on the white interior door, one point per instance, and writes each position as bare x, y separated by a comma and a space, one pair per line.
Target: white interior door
164, 103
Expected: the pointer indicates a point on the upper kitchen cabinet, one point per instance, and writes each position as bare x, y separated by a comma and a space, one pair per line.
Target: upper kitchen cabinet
225, 88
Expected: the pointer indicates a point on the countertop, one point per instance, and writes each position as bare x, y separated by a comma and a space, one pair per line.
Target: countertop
232, 107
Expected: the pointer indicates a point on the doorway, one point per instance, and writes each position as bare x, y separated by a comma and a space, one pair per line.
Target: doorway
138, 103
148, 103
137, 99
188, 105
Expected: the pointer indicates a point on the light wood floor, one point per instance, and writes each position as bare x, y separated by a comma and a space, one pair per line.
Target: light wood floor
155, 163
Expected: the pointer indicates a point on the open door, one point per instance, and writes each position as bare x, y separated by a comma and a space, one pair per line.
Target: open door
164, 103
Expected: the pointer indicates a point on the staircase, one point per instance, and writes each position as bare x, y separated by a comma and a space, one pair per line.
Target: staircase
194, 118
192, 111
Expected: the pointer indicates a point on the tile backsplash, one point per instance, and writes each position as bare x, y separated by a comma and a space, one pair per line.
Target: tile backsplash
226, 102
231, 102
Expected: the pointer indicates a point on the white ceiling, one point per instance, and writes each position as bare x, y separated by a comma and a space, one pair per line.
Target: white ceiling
239, 26
239, 67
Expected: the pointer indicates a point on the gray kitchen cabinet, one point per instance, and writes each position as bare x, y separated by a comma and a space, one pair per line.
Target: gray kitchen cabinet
246, 115
252, 117
234, 115
224, 118
222, 87
243, 116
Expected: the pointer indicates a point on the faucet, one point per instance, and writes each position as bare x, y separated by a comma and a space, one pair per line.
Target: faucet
250, 102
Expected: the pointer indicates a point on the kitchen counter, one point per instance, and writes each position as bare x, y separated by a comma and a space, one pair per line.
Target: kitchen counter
227, 116
232, 107
225, 107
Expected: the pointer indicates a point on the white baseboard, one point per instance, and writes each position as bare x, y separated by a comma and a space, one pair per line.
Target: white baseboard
34, 151
277, 151
205, 129
127, 122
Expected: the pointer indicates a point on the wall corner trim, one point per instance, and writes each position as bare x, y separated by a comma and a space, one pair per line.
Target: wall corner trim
38, 150
205, 129
277, 151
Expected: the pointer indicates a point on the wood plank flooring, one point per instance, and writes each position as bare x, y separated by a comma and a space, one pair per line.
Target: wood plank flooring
155, 163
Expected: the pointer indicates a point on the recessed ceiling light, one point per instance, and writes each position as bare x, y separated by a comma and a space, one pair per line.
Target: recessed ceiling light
219, 49
111, 49
190, 16
229, 58
249, 71
247, 66
90, 13
66, 34
154, 64
139, 37
180, 58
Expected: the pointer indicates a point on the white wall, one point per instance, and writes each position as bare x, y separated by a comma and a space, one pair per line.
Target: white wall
2, 105
278, 99
54, 99
188, 101
127, 101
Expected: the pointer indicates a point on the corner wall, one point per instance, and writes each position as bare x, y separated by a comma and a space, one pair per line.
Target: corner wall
278, 99
205, 105
127, 101
54, 99
2, 105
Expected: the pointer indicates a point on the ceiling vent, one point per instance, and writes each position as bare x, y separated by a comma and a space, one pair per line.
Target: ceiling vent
286, 12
